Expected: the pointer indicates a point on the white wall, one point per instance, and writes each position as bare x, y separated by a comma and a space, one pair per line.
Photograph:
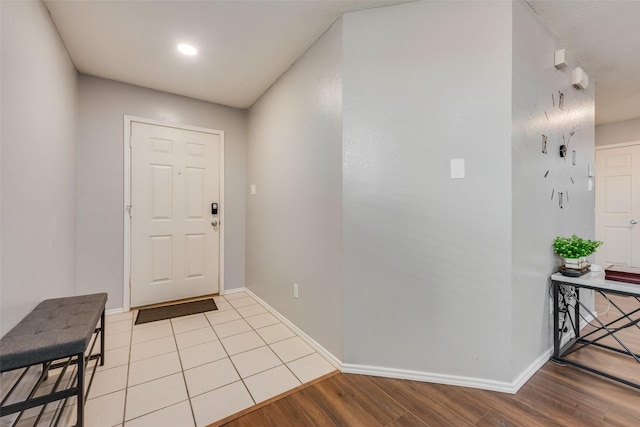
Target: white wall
294, 223
39, 103
537, 219
427, 258
103, 104
619, 132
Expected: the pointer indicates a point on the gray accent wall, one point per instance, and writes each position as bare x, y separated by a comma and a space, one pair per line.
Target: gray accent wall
103, 105
537, 218
426, 257
294, 221
438, 278
39, 106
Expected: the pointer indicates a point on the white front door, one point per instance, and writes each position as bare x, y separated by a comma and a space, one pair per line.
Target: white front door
618, 205
175, 236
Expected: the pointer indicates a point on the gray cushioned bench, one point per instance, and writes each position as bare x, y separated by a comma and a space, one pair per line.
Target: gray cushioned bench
56, 334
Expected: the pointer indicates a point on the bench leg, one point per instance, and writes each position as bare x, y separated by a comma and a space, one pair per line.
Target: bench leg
80, 393
102, 330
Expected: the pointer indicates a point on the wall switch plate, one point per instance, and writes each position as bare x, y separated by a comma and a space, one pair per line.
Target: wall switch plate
295, 290
253, 189
457, 168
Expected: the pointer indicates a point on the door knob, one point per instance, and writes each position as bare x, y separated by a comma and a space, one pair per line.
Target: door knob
214, 223
634, 221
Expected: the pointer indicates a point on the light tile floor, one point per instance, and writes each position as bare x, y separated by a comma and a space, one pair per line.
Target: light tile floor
195, 370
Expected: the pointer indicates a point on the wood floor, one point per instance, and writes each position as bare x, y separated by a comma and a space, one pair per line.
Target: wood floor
554, 396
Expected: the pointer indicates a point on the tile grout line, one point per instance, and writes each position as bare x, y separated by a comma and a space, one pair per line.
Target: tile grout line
126, 385
226, 352
184, 378
259, 336
269, 344
274, 352
269, 347
234, 365
229, 356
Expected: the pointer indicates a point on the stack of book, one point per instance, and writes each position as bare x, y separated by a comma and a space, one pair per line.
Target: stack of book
621, 273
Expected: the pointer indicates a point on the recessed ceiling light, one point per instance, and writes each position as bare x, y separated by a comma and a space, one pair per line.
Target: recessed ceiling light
187, 49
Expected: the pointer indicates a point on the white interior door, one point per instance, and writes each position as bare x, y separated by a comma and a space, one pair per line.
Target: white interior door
175, 177
618, 205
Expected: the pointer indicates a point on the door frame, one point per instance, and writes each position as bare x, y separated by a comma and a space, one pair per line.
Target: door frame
126, 278
618, 145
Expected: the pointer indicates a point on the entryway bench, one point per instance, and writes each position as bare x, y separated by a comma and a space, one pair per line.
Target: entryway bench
60, 334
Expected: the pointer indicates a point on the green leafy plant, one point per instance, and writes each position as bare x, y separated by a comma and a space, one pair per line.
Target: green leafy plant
574, 246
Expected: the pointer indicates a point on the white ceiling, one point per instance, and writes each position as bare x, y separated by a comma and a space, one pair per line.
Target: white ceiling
605, 38
245, 45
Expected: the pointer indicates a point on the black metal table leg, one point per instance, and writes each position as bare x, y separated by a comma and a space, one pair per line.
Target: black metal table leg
602, 330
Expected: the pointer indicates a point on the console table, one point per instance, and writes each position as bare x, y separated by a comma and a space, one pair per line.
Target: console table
569, 311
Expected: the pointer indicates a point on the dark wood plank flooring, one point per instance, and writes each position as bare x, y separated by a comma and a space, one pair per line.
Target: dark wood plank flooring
554, 396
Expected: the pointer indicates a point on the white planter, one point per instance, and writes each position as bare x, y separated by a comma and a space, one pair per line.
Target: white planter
576, 263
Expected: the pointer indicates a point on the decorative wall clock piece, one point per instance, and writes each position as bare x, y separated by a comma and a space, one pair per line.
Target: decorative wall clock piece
558, 139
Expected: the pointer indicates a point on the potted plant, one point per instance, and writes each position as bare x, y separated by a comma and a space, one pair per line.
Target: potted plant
575, 250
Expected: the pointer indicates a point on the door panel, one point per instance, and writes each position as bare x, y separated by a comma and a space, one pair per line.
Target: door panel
195, 192
195, 253
618, 205
162, 255
162, 191
175, 176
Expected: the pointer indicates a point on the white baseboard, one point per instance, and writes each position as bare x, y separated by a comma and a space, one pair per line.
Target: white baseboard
587, 319
233, 291
115, 311
480, 383
530, 370
484, 384
405, 374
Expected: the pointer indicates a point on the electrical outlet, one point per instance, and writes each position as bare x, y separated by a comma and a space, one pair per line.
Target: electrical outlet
295, 290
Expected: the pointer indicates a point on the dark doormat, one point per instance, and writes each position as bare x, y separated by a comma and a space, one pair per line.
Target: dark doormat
147, 315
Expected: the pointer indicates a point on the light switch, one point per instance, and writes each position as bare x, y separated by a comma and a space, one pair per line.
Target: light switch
253, 189
457, 168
